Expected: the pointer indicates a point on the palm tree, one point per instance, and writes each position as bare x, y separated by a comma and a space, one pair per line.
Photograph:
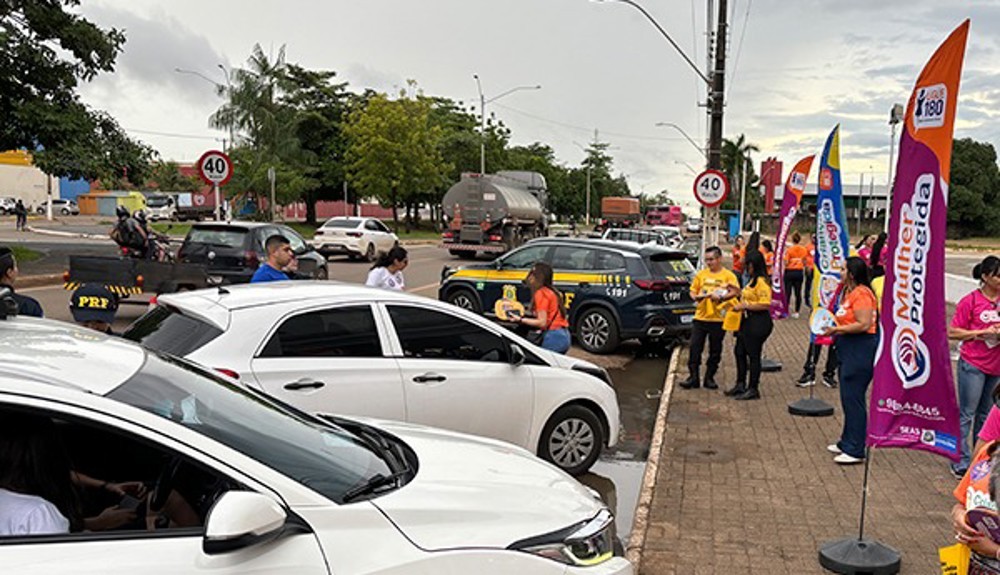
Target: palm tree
735, 158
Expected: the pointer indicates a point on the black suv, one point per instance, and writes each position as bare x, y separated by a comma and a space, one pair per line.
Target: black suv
614, 290
233, 251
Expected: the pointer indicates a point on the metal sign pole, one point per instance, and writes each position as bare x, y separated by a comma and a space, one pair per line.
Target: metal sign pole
218, 204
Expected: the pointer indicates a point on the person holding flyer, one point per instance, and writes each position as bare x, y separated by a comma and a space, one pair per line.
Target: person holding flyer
976, 495
756, 326
976, 324
856, 335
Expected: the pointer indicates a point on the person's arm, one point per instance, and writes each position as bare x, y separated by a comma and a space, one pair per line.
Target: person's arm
540, 321
863, 319
695, 289
962, 334
135, 488
959, 327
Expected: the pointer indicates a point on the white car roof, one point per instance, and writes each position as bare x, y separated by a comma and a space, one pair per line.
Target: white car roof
53, 351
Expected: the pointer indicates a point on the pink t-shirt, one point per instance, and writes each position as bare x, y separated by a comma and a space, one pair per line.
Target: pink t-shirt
991, 427
976, 312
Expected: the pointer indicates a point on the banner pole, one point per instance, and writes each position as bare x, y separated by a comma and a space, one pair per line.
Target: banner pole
864, 493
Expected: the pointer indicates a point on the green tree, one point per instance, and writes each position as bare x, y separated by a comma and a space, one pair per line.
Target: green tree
167, 177
974, 192
394, 151
736, 157
45, 51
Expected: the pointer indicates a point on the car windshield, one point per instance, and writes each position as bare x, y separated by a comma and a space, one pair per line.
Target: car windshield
228, 237
345, 224
157, 202
321, 456
670, 265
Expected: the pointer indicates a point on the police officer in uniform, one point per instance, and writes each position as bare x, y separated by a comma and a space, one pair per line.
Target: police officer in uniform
94, 307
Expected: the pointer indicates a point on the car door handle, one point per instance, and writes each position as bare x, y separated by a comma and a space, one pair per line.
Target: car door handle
304, 384
429, 377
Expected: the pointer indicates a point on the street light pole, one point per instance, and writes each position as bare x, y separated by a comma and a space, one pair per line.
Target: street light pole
686, 136
482, 113
895, 117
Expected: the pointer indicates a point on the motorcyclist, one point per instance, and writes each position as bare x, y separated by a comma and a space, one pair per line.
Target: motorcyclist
155, 249
130, 234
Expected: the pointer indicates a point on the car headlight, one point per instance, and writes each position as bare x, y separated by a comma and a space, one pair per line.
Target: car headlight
583, 545
596, 371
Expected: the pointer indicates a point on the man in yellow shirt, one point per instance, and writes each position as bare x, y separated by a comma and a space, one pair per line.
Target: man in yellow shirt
709, 288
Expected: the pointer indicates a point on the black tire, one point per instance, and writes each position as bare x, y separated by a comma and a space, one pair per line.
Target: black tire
322, 273
64, 212
465, 298
597, 330
572, 439
370, 253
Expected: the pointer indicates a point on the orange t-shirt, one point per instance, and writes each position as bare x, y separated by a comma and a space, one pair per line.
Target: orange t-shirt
859, 298
545, 299
768, 259
738, 259
795, 257
974, 489
810, 258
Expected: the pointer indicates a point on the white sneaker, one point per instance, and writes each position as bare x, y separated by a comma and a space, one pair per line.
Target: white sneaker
845, 459
795, 315
832, 448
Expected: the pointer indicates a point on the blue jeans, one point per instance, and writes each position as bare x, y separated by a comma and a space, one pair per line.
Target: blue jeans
556, 340
975, 399
856, 353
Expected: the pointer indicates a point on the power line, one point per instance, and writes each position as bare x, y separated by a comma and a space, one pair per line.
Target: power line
739, 48
585, 129
169, 135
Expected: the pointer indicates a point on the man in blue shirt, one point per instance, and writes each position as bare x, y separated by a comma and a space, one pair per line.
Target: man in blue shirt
280, 259
8, 275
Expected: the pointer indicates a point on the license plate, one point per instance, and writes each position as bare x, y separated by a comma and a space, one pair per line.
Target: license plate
687, 319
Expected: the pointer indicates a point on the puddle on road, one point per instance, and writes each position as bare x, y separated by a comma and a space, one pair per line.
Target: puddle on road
618, 475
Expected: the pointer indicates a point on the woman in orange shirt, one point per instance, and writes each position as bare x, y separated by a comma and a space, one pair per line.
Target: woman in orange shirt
767, 250
856, 335
550, 315
738, 255
795, 264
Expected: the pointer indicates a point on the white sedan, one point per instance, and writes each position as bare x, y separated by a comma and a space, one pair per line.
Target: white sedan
242, 484
328, 347
356, 237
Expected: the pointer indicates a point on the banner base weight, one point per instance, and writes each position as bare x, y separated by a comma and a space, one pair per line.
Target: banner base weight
810, 407
859, 557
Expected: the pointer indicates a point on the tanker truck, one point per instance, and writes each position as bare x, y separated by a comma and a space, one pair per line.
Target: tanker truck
494, 212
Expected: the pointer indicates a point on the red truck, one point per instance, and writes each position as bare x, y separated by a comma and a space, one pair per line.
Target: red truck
664, 216
619, 213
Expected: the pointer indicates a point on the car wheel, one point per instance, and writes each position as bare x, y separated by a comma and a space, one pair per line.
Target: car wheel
370, 252
322, 273
465, 299
597, 331
572, 439
64, 212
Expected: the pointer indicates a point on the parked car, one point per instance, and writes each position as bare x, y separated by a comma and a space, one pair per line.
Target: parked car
232, 251
693, 225
59, 206
353, 350
7, 204
636, 235
692, 247
673, 234
273, 489
614, 290
356, 237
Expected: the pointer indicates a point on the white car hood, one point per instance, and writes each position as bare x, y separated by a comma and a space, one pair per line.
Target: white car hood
498, 493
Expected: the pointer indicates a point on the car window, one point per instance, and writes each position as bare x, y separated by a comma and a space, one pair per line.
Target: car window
223, 237
100, 454
608, 261
337, 332
670, 265
324, 457
294, 239
429, 334
167, 329
381, 227
572, 258
524, 258
372, 225
343, 224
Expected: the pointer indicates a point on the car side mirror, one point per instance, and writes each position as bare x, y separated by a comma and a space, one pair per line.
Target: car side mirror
517, 357
241, 519
498, 264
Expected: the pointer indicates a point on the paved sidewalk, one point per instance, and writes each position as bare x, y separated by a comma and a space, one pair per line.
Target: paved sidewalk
744, 487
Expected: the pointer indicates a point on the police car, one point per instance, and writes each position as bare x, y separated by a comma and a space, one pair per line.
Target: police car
614, 290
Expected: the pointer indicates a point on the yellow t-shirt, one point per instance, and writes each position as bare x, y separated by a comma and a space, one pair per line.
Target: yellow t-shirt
758, 293
706, 282
878, 284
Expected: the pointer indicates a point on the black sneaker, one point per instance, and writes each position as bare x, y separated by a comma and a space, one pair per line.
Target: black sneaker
829, 381
957, 473
690, 384
806, 380
710, 383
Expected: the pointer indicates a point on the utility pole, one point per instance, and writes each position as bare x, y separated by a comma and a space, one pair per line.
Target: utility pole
717, 101
861, 191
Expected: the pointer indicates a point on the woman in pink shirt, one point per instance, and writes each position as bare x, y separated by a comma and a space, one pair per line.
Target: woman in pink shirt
977, 325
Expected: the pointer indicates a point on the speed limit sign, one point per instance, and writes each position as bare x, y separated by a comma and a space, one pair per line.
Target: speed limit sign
215, 167
711, 188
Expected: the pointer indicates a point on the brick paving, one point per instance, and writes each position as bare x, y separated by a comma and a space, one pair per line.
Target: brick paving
745, 487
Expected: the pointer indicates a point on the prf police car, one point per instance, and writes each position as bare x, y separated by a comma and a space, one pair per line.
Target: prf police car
614, 290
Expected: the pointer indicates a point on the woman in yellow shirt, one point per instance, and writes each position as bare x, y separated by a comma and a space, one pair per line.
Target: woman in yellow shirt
755, 305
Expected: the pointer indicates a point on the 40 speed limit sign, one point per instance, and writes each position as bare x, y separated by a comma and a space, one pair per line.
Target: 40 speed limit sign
215, 167
711, 188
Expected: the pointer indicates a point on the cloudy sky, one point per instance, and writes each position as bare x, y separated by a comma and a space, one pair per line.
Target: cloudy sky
796, 68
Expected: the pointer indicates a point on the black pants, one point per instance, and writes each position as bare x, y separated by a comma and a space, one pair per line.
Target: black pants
812, 358
700, 330
793, 281
754, 330
809, 287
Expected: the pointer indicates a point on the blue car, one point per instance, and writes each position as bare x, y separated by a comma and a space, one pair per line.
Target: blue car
614, 290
